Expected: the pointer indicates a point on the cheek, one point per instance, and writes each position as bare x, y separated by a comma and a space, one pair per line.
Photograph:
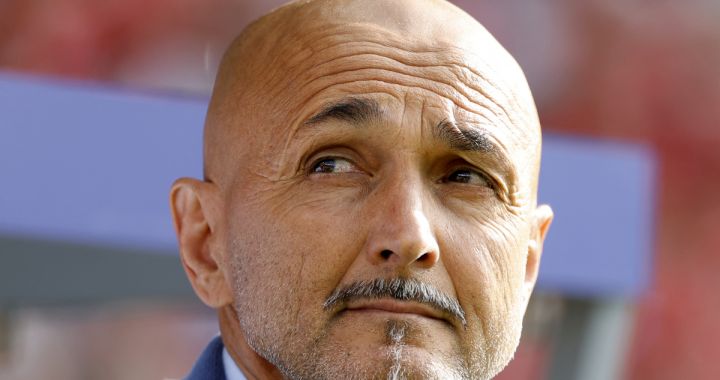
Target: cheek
489, 267
290, 247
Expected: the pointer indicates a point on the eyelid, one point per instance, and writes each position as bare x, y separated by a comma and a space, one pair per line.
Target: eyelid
488, 178
492, 183
331, 152
312, 156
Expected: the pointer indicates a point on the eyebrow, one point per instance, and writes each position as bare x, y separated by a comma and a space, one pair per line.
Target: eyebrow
363, 111
352, 110
463, 138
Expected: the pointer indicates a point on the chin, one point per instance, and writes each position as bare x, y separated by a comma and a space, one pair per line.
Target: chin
390, 364
414, 363
369, 356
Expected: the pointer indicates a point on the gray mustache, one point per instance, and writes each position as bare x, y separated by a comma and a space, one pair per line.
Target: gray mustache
402, 289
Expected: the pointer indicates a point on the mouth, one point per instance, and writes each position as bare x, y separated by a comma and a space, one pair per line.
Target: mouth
398, 308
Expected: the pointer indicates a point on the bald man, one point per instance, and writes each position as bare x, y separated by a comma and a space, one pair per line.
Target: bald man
369, 203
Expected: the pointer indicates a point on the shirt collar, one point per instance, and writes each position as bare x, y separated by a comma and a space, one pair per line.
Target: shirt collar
232, 372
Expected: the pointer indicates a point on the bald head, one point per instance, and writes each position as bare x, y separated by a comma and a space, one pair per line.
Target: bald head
369, 203
281, 61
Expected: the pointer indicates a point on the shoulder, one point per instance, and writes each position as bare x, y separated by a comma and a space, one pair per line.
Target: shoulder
209, 365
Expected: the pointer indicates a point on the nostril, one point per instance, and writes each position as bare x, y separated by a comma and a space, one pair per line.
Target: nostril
423, 257
386, 253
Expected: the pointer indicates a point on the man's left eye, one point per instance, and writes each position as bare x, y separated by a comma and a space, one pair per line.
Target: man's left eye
468, 176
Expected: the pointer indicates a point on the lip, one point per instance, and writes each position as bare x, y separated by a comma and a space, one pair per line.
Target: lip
394, 306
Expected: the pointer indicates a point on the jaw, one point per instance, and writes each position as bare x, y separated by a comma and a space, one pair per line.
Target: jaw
247, 359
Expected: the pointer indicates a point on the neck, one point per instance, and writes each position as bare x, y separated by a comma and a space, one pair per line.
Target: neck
253, 366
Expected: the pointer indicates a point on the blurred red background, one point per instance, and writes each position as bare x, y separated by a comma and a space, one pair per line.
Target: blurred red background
632, 70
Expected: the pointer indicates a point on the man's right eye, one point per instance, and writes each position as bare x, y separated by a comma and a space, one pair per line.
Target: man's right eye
332, 165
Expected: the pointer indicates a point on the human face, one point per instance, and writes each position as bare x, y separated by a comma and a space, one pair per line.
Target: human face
388, 176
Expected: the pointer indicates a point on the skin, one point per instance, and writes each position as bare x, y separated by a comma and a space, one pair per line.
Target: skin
337, 151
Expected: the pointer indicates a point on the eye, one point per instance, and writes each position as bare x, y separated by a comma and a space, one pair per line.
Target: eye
332, 165
468, 176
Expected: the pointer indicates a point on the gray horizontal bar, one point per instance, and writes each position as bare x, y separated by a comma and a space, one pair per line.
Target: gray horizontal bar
45, 273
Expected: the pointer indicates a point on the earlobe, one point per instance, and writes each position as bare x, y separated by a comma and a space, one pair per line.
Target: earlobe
192, 204
542, 218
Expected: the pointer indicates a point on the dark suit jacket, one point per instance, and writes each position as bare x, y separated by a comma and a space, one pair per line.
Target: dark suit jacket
210, 364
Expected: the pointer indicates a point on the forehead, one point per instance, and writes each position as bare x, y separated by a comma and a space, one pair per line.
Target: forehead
341, 59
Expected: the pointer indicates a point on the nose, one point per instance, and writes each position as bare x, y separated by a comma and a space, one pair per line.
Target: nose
401, 235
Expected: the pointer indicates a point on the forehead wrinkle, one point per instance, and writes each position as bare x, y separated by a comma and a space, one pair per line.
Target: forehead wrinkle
466, 88
288, 84
375, 38
338, 34
451, 53
461, 71
461, 85
396, 79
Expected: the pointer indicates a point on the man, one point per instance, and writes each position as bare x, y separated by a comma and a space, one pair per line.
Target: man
369, 202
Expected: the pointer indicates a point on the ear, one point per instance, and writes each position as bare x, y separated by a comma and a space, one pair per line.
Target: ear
194, 206
541, 219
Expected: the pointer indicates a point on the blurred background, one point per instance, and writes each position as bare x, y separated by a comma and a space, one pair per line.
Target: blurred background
639, 72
